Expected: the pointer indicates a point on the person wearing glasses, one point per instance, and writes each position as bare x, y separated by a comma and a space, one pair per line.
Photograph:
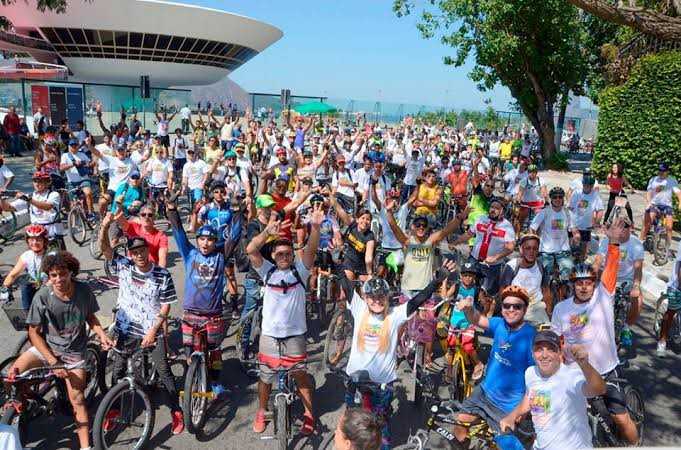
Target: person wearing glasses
144, 227
503, 386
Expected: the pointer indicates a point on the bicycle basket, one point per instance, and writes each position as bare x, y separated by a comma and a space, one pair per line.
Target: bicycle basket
15, 314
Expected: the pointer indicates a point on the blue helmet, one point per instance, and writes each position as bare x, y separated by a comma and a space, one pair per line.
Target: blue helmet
207, 230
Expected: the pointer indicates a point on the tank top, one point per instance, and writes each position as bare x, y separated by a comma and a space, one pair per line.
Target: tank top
418, 265
615, 184
426, 194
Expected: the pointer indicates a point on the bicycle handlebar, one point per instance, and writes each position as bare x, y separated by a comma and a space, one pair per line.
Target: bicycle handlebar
34, 374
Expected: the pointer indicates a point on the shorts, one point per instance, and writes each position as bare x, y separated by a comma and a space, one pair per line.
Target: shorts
585, 235
324, 260
215, 327
80, 184
478, 404
673, 299
536, 313
71, 361
565, 265
280, 352
197, 194
614, 394
165, 140
490, 282
356, 268
664, 210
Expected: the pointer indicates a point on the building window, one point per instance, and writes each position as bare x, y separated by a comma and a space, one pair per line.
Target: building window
135, 39
150, 41
64, 35
106, 37
175, 43
163, 41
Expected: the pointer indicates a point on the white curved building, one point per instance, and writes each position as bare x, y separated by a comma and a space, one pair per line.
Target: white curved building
116, 41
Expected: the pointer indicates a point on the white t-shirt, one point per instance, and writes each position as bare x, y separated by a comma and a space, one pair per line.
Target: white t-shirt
119, 170
361, 177
630, 252
413, 170
5, 174
531, 189
514, 178
47, 218
9, 438
662, 189
380, 365
32, 261
388, 239
591, 324
194, 171
162, 128
185, 112
346, 176
69, 158
179, 146
494, 149
226, 132
159, 170
530, 279
491, 237
283, 315
673, 279
105, 150
554, 227
576, 185
382, 188
583, 207
558, 408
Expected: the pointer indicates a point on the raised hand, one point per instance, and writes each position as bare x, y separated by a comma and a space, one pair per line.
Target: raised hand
317, 216
579, 353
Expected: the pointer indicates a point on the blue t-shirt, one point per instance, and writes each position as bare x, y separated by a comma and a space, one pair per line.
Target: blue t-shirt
511, 354
130, 195
299, 142
458, 318
221, 217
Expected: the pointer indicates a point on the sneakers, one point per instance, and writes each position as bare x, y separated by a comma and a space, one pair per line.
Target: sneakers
661, 349
110, 420
259, 424
218, 390
178, 422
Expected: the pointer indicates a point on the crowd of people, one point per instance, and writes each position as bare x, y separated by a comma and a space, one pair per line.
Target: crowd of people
411, 211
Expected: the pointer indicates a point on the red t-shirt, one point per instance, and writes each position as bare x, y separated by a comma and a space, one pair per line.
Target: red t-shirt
156, 239
11, 123
279, 205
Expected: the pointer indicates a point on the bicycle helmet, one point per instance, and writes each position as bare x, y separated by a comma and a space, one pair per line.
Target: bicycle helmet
208, 231
36, 230
375, 287
470, 267
588, 180
532, 168
557, 192
316, 198
529, 234
582, 272
515, 291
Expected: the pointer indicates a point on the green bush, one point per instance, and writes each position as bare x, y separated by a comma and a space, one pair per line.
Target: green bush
558, 161
639, 122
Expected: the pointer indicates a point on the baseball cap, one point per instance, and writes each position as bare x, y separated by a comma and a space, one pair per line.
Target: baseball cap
663, 167
134, 175
264, 201
548, 336
207, 230
136, 242
230, 154
73, 141
340, 158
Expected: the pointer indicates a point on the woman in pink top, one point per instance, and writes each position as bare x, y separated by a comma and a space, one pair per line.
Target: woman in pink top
617, 181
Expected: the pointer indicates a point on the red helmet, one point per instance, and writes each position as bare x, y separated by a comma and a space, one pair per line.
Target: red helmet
36, 230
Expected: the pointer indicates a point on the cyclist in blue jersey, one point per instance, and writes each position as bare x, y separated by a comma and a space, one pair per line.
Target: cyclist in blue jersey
204, 283
222, 215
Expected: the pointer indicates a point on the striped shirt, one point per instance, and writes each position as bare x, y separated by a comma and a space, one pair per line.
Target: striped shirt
140, 296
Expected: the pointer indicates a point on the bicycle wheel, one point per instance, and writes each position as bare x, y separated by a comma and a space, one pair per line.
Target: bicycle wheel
281, 412
94, 247
322, 300
94, 379
636, 409
194, 400
109, 267
134, 424
660, 250
338, 340
8, 225
77, 227
415, 388
457, 387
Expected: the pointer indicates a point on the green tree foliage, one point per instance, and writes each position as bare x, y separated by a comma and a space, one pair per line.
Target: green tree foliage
58, 6
639, 121
531, 47
487, 119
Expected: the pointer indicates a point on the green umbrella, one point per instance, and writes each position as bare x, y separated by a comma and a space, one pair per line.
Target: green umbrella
315, 108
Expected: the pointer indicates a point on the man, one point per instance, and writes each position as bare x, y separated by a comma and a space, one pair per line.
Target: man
458, 180
673, 306
43, 207
78, 169
145, 294
659, 201
531, 193
587, 319
505, 149
343, 185
11, 123
186, 115
179, 146
56, 329
557, 396
284, 324
414, 166
159, 172
194, 176
120, 168
503, 387
357, 429
6, 175
144, 227
554, 221
587, 209
525, 271
162, 127
494, 240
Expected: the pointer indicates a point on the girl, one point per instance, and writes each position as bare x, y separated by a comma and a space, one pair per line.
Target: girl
29, 263
617, 182
358, 257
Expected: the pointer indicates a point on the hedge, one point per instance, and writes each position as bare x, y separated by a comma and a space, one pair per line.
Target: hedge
639, 123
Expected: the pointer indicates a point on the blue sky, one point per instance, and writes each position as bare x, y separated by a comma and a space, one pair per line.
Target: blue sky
353, 49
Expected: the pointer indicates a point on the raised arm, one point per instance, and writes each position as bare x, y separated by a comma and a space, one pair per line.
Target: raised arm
397, 231
451, 226
316, 219
612, 258
253, 247
344, 217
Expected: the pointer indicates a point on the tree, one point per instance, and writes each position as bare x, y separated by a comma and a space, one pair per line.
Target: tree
655, 17
531, 47
58, 6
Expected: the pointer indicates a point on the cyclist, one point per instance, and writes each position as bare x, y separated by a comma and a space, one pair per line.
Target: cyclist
483, 192
556, 395
56, 329
344, 185
414, 167
389, 243
673, 306
43, 207
179, 147
375, 337
145, 294
204, 283
587, 319
659, 201
160, 171
531, 195
329, 240
282, 343
78, 169
144, 227
525, 271
194, 177
458, 180
360, 242
587, 210
427, 196
357, 429
554, 221
120, 168
503, 386
29, 263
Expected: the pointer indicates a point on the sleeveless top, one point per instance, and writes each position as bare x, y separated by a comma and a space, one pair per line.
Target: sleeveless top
426, 194
418, 265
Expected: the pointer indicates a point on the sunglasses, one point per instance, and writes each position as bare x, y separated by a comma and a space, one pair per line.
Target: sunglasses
557, 197
421, 225
219, 191
146, 215
513, 306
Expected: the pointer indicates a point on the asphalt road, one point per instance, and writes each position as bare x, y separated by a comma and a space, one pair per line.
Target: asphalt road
229, 425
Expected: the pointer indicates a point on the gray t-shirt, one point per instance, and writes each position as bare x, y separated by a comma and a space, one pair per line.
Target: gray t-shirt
63, 323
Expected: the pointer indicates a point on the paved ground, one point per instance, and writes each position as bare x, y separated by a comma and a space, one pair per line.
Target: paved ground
230, 423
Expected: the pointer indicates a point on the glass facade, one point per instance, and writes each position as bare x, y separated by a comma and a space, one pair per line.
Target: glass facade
87, 43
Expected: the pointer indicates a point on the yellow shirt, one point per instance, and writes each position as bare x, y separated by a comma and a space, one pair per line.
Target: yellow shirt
210, 154
426, 194
505, 150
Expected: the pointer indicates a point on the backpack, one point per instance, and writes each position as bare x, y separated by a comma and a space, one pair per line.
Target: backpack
243, 264
84, 172
283, 285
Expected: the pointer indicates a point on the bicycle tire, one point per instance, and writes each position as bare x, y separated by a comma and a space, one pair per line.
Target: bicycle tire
636, 408
282, 422
322, 299
94, 377
660, 251
456, 386
94, 247
196, 375
105, 406
415, 393
8, 225
77, 227
330, 338
109, 269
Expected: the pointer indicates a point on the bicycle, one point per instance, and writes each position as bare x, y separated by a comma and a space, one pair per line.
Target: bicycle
325, 303
338, 339
156, 196
80, 225
459, 370
8, 219
119, 250
656, 241
660, 310
250, 324
140, 376
622, 304
559, 288
603, 428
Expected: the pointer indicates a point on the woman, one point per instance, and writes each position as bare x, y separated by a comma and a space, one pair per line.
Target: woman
375, 339
358, 257
617, 181
144, 227
29, 264
212, 152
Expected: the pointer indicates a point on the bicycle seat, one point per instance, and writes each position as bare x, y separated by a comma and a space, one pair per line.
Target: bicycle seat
361, 376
